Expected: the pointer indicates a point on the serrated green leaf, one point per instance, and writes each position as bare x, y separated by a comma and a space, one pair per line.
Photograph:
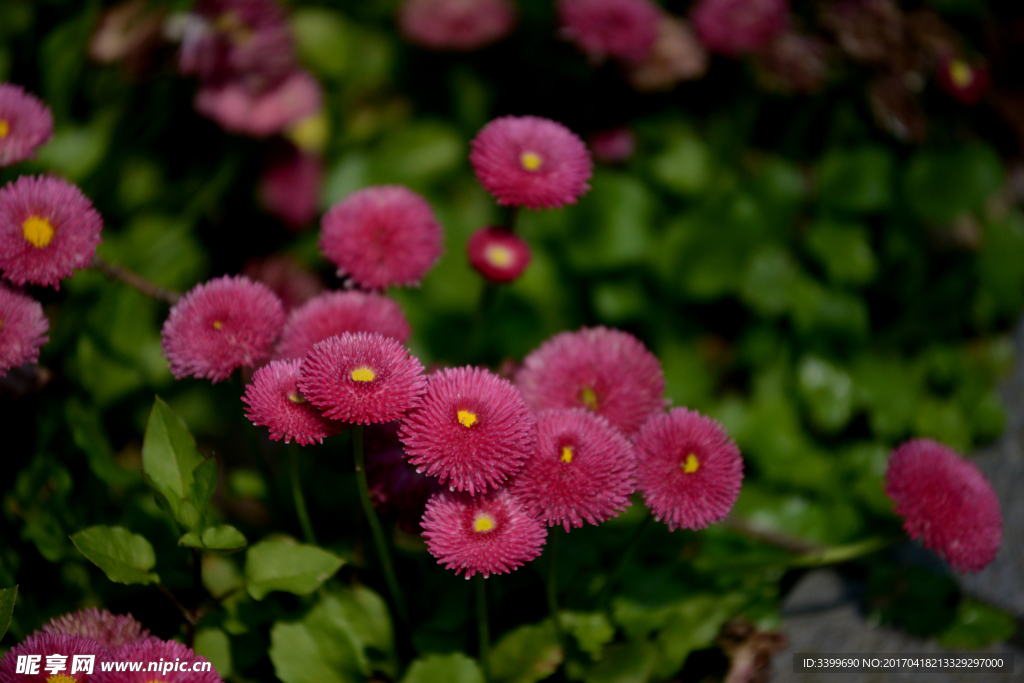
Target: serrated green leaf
8, 596
282, 564
123, 556
451, 668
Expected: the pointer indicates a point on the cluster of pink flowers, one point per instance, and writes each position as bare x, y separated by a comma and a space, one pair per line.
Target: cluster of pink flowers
456, 25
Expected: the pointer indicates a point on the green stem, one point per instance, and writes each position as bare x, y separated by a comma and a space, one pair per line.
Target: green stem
383, 554
483, 629
553, 582
300, 501
844, 553
606, 592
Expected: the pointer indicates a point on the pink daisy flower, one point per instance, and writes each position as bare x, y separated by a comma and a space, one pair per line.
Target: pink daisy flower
293, 284
946, 501
677, 56
472, 429
274, 400
382, 236
23, 329
624, 29
733, 27
362, 378
582, 469
240, 108
530, 161
48, 228
334, 313
688, 468
395, 485
44, 644
289, 188
606, 371
109, 630
175, 660
489, 534
223, 324
498, 254
458, 25
25, 124
962, 81
613, 146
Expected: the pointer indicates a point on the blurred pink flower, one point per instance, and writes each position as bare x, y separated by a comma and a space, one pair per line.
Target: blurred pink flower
23, 329
965, 82
289, 188
109, 630
457, 25
25, 124
612, 146
293, 284
677, 56
395, 485
259, 112
623, 29
498, 254
154, 651
734, 27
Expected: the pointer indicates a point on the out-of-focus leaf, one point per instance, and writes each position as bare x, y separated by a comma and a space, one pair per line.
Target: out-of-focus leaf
592, 631
942, 185
526, 654
219, 537
76, 151
123, 556
299, 657
614, 223
8, 596
213, 643
685, 166
282, 564
858, 179
416, 155
890, 389
87, 431
767, 284
799, 515
844, 251
827, 393
943, 421
451, 668
1000, 265
323, 40
174, 468
622, 663
977, 625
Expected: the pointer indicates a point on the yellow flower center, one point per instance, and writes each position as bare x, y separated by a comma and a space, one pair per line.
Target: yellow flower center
499, 256
60, 678
217, 324
5, 128
467, 418
483, 522
296, 398
37, 230
961, 73
691, 464
566, 454
364, 375
589, 398
531, 161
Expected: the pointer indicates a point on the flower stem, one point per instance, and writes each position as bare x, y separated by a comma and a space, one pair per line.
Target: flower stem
383, 554
483, 628
300, 500
134, 280
553, 582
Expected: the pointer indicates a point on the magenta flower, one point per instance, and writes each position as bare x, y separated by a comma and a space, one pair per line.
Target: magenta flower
457, 25
734, 27
48, 228
472, 429
223, 324
25, 124
677, 56
275, 401
688, 468
395, 485
946, 501
334, 313
498, 254
613, 146
962, 81
293, 284
239, 107
382, 236
44, 644
289, 189
362, 378
23, 329
606, 371
109, 630
174, 661
489, 534
582, 469
530, 161
623, 29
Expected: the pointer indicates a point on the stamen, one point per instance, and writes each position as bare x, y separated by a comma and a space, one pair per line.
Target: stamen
5, 128
483, 522
467, 418
691, 464
567, 454
960, 73
531, 161
364, 375
499, 256
37, 231
589, 398
296, 397
217, 324
60, 678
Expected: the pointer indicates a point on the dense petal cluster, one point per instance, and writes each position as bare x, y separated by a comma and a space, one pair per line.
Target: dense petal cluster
734, 27
457, 25
607, 371
274, 400
472, 429
25, 124
362, 378
23, 329
289, 188
688, 468
623, 29
43, 644
109, 630
531, 161
395, 485
335, 313
221, 325
48, 228
582, 469
947, 502
498, 254
382, 236
175, 659
239, 108
489, 534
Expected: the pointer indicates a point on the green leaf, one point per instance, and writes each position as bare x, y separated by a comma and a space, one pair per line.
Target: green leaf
827, 393
87, 431
622, 663
858, 180
214, 644
768, 282
451, 668
219, 537
977, 625
282, 564
943, 185
323, 39
299, 658
174, 468
685, 166
613, 225
8, 596
844, 251
123, 556
417, 154
526, 654
592, 631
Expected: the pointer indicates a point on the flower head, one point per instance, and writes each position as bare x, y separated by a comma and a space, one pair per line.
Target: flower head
458, 25
613, 146
188, 666
289, 188
498, 254
582, 469
688, 468
623, 29
733, 27
25, 124
220, 325
109, 630
472, 429
23, 329
241, 108
274, 400
48, 228
946, 501
963, 81
382, 236
293, 284
335, 313
607, 371
395, 485
489, 534
530, 161
44, 644
677, 56
362, 378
